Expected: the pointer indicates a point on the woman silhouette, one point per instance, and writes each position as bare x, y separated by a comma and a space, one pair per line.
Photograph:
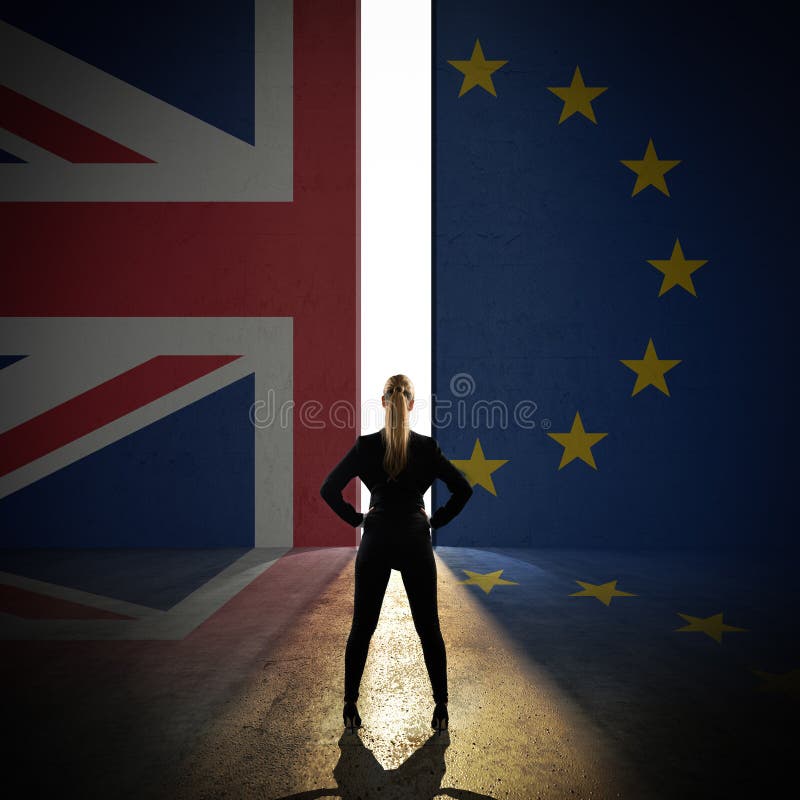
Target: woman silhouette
397, 465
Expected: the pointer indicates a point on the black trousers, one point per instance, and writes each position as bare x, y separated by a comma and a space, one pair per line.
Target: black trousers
402, 542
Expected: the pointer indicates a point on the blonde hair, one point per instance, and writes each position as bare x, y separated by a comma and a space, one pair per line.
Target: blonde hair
398, 391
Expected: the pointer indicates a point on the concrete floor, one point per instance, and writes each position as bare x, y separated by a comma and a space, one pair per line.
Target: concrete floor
549, 695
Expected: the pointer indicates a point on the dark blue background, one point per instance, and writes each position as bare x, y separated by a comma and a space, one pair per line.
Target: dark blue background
541, 280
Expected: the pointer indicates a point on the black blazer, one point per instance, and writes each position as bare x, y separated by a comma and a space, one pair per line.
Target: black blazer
426, 462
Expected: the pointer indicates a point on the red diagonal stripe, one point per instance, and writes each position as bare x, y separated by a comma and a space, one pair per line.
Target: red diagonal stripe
103, 404
59, 134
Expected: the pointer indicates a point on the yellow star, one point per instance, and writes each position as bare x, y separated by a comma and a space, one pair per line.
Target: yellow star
478, 469
577, 97
650, 170
602, 591
712, 626
650, 370
787, 683
477, 71
487, 580
577, 443
677, 270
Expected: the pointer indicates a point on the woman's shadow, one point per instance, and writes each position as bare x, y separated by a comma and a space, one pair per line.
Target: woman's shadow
359, 775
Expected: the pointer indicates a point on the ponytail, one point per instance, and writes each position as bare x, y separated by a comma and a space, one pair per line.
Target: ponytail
398, 393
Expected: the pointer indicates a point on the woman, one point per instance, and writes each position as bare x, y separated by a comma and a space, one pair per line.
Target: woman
397, 465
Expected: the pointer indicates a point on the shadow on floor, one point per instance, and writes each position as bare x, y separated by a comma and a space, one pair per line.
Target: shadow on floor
359, 774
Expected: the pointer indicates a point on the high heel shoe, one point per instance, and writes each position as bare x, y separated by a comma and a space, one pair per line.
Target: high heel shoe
440, 718
351, 718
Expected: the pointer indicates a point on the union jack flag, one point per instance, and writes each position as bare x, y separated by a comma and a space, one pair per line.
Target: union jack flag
179, 187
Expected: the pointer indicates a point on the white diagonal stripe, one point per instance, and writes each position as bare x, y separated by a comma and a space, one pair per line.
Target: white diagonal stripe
59, 592
125, 425
25, 150
106, 104
177, 623
195, 161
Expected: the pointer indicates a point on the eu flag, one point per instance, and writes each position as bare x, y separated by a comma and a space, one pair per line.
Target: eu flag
612, 273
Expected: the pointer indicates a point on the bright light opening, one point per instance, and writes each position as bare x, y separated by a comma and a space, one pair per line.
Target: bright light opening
395, 208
